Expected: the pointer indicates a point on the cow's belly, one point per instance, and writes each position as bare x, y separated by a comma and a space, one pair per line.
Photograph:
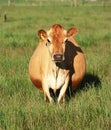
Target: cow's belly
55, 82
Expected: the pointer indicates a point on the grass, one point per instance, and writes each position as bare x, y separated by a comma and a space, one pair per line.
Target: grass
21, 105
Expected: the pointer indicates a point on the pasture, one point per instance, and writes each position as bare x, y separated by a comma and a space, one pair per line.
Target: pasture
22, 106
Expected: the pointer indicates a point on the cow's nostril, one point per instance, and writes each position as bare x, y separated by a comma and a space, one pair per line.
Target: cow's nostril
58, 57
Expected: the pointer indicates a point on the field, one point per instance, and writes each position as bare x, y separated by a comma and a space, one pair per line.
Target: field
22, 106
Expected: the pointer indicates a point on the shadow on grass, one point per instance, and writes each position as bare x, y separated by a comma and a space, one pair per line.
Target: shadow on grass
89, 81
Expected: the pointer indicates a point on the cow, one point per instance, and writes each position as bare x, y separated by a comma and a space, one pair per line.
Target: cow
57, 63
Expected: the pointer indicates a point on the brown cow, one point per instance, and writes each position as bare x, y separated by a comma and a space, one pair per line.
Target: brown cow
58, 62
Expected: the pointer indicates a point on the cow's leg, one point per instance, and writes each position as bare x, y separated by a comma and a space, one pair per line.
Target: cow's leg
46, 92
63, 90
47, 96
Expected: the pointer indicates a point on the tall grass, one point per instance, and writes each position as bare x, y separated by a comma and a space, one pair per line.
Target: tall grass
21, 105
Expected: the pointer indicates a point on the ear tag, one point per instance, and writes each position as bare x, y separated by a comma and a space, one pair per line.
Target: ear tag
42, 37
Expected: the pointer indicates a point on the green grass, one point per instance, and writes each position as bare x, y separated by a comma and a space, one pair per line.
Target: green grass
21, 105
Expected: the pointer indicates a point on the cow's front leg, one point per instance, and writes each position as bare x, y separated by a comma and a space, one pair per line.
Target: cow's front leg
47, 96
63, 90
46, 92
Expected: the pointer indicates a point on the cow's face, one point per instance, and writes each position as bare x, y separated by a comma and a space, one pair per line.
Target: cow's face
55, 39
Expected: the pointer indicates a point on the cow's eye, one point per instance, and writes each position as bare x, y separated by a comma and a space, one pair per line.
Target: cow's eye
48, 40
66, 40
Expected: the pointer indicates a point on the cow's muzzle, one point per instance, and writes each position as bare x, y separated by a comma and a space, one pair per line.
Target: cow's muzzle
58, 57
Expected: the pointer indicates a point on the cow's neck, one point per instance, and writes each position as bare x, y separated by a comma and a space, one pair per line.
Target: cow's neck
56, 75
54, 69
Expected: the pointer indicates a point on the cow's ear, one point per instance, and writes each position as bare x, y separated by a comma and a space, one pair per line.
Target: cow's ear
72, 32
42, 34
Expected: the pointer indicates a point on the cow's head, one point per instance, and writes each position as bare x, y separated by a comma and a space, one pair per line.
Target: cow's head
55, 40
